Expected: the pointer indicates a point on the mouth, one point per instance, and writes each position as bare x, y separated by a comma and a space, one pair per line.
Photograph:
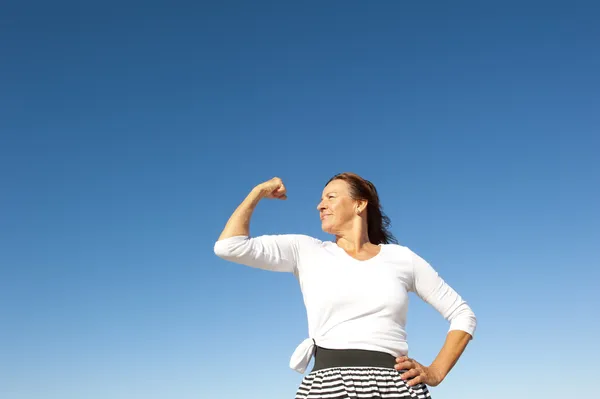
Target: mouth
324, 216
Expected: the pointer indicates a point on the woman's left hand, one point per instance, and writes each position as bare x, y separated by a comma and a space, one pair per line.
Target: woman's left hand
415, 373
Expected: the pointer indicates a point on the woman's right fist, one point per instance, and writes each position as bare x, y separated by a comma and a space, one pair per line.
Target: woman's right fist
273, 188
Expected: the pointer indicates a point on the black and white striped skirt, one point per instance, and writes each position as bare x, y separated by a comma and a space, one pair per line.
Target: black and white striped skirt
345, 374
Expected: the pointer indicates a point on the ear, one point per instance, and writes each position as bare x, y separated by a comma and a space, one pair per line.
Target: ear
361, 205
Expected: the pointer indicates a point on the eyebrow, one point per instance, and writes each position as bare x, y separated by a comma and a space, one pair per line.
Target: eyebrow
329, 193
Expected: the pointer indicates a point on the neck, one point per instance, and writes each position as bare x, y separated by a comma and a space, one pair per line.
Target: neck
353, 239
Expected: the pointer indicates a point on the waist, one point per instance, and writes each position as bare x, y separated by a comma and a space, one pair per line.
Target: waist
328, 358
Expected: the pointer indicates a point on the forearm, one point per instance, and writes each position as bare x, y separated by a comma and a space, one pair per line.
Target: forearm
239, 221
454, 346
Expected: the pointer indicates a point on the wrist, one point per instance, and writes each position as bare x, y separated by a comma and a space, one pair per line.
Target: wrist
258, 192
437, 372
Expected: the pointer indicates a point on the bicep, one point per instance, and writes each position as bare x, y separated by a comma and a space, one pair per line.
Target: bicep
268, 252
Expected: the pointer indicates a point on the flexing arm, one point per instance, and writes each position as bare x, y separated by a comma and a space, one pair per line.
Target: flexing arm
239, 221
274, 252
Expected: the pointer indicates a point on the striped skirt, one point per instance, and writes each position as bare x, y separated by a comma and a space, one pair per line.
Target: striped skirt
345, 374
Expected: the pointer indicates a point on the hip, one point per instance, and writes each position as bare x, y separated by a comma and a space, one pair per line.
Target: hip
352, 373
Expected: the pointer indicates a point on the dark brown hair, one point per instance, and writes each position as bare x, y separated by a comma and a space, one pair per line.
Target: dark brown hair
377, 222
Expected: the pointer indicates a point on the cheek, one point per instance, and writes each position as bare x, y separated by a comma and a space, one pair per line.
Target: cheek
342, 212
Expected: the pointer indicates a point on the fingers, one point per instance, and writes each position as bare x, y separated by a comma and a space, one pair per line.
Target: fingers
404, 363
404, 366
280, 192
415, 381
274, 188
412, 373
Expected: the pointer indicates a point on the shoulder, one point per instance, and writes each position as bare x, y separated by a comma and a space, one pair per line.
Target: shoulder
403, 250
398, 252
305, 241
404, 255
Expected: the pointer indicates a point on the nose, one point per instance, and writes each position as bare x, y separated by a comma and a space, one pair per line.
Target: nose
320, 206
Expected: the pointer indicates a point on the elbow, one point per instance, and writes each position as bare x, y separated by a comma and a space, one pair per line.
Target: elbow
229, 248
220, 249
465, 320
223, 250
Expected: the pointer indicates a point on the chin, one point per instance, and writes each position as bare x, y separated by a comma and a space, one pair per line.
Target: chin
326, 228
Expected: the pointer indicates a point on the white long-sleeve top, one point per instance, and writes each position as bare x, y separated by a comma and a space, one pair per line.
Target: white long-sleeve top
351, 304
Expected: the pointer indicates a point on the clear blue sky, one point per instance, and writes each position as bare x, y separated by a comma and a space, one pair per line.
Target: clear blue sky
130, 131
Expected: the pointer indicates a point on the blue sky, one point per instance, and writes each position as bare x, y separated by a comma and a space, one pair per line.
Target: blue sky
130, 131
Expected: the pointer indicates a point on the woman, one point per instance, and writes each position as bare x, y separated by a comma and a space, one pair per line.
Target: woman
355, 291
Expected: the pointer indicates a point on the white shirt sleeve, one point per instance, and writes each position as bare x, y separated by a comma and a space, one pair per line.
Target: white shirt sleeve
277, 253
430, 287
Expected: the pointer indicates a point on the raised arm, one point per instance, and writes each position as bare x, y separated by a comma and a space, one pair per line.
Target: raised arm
274, 252
239, 222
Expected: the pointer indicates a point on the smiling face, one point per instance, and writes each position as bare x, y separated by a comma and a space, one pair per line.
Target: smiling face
337, 208
349, 205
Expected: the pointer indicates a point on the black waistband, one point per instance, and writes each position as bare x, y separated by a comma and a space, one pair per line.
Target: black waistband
327, 358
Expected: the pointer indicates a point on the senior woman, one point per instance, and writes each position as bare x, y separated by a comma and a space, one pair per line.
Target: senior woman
355, 289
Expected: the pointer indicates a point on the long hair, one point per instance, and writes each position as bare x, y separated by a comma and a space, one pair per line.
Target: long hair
378, 223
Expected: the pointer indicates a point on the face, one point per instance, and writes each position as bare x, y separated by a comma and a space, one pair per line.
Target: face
337, 209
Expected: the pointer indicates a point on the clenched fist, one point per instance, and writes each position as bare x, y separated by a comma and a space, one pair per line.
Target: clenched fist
273, 188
